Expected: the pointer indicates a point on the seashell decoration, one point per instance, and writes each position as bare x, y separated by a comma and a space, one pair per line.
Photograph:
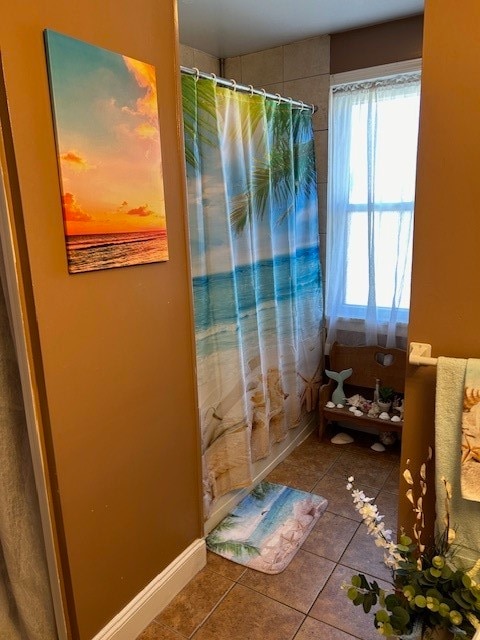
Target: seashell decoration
358, 413
355, 400
342, 438
330, 405
359, 402
340, 406
396, 419
471, 397
384, 416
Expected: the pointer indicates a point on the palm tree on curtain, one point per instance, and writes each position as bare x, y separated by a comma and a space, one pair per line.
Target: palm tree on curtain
285, 174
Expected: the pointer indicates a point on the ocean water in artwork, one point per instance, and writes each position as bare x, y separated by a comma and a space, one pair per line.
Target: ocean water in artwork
104, 250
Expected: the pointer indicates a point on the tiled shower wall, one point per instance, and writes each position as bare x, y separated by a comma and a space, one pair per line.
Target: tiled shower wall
300, 70
190, 57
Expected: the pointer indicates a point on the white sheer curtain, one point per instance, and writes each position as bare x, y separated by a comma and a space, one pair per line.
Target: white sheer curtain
373, 143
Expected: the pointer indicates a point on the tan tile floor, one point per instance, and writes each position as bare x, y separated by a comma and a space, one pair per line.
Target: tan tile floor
226, 601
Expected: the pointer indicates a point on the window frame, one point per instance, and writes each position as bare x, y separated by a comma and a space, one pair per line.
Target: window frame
353, 315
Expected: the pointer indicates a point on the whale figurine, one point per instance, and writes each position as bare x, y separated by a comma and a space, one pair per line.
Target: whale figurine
338, 396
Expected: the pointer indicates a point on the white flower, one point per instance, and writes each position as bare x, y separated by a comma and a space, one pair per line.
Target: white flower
368, 510
358, 496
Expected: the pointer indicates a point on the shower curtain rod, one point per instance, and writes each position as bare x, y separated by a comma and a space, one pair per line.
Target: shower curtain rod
232, 84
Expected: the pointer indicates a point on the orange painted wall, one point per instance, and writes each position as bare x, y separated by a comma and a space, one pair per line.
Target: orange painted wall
445, 307
114, 359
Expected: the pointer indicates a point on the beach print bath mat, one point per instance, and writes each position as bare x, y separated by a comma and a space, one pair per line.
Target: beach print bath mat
267, 527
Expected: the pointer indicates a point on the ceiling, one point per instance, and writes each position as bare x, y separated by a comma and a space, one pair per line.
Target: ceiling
227, 28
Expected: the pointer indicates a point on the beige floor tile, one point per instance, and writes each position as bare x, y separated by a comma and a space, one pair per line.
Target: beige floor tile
393, 480
157, 631
226, 601
387, 504
363, 444
292, 475
333, 607
313, 455
313, 629
245, 614
330, 536
224, 567
365, 469
191, 606
363, 555
298, 585
339, 499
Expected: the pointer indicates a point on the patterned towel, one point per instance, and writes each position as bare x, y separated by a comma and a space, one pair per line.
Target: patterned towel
470, 470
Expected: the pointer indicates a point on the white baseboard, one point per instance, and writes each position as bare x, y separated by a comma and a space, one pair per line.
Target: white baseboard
263, 468
139, 612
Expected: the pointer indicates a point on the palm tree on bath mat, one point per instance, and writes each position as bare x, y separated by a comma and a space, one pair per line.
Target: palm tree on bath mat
261, 491
235, 548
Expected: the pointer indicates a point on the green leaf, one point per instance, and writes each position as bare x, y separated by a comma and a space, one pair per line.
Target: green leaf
403, 548
400, 614
382, 616
356, 581
467, 581
364, 582
368, 603
447, 573
438, 562
468, 596
358, 600
391, 602
420, 601
461, 601
352, 593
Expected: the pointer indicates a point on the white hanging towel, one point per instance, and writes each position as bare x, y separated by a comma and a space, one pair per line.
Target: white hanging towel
470, 475
464, 514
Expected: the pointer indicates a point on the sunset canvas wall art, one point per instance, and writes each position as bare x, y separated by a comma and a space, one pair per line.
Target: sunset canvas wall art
108, 143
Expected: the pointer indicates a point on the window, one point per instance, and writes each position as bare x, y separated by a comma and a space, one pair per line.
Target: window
373, 134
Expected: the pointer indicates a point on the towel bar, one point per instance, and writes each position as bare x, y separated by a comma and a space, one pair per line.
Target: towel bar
420, 354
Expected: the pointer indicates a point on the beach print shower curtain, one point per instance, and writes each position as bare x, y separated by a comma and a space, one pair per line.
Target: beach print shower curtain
253, 224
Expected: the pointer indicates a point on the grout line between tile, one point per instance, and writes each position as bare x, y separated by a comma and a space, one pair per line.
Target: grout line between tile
212, 610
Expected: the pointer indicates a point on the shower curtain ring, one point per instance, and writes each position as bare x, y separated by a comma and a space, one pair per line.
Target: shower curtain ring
214, 77
250, 86
313, 109
303, 105
234, 84
279, 98
264, 93
197, 73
